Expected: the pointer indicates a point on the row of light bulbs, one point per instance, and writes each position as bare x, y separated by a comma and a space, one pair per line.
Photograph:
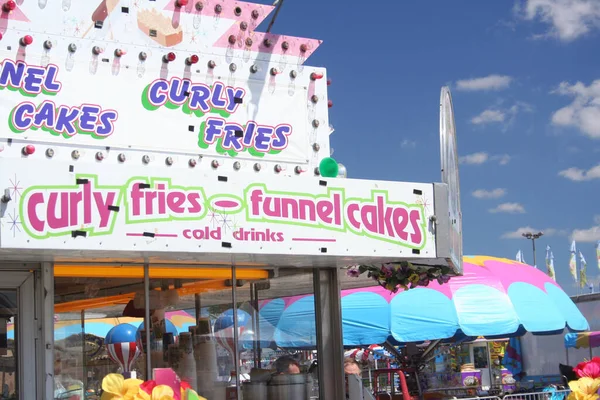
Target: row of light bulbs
192, 162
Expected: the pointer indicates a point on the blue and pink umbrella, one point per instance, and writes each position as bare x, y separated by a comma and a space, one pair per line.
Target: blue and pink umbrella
494, 298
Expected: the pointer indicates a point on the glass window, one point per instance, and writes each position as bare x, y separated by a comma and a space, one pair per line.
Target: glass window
86, 310
9, 334
100, 329
480, 355
277, 352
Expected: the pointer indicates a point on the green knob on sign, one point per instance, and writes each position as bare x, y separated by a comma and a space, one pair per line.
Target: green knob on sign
328, 168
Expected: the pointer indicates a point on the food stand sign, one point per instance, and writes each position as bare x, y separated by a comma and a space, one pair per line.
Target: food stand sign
449, 159
160, 76
111, 208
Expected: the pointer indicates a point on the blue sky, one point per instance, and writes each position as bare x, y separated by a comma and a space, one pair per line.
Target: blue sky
526, 89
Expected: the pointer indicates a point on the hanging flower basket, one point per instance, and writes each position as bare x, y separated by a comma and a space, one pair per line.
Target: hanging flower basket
401, 275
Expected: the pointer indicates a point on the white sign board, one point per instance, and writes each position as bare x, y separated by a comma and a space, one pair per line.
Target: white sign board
107, 207
160, 77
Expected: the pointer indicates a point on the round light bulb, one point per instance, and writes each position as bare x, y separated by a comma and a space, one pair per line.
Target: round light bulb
328, 167
28, 150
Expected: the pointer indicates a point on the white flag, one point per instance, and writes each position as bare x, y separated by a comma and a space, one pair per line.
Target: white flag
598, 253
582, 270
550, 263
573, 261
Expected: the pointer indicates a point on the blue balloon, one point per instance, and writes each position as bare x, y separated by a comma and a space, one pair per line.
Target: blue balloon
122, 333
225, 320
169, 326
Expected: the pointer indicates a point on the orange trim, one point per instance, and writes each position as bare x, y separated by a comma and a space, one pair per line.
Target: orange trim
155, 260
79, 305
103, 271
88, 304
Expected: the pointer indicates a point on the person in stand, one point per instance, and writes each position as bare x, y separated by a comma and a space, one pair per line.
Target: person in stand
286, 365
351, 367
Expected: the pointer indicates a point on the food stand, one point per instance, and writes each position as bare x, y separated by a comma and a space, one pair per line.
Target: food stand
160, 157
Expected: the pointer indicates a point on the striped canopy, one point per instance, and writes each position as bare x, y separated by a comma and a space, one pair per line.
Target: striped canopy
494, 298
582, 340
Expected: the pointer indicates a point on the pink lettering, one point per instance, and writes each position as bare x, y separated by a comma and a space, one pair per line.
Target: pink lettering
352, 210
102, 207
62, 221
35, 200
272, 208
314, 211
63, 210
324, 209
161, 201
400, 222
415, 218
368, 214
87, 197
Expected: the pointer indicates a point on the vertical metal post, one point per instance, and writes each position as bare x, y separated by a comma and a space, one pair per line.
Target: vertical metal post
147, 320
534, 262
328, 319
257, 330
253, 303
47, 317
197, 308
83, 342
235, 332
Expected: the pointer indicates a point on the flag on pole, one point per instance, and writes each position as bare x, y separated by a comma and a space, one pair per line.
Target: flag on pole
550, 263
520, 257
598, 253
582, 271
573, 261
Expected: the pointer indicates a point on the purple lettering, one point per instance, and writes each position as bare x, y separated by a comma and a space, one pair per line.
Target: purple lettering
65, 121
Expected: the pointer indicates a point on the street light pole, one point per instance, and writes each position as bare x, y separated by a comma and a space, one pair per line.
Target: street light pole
533, 236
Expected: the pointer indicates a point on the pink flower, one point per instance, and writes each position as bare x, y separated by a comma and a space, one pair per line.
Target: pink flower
589, 369
387, 271
148, 386
353, 272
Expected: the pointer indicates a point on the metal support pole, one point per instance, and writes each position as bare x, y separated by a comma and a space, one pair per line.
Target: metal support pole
533, 237
83, 343
328, 320
197, 307
147, 320
255, 342
235, 332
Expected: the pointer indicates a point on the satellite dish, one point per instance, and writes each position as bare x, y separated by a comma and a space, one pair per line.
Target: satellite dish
449, 159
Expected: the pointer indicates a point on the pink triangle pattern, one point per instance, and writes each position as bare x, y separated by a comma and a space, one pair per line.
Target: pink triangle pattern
16, 15
251, 15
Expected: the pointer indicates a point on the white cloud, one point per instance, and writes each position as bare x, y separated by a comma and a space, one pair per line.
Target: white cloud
475, 158
509, 208
408, 144
590, 235
483, 157
584, 112
497, 115
568, 19
580, 175
488, 116
518, 234
502, 159
491, 82
489, 194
